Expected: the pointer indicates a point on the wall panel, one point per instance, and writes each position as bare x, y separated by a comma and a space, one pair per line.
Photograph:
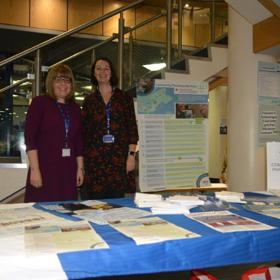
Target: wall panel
110, 26
202, 34
48, 14
82, 11
15, 12
154, 31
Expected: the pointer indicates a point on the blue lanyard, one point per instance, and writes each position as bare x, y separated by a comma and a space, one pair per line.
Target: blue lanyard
66, 118
108, 110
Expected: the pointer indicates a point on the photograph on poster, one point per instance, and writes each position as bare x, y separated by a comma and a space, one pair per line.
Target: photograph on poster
186, 111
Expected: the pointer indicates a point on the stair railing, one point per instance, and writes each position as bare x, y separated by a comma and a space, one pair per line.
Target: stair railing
112, 38
68, 33
120, 36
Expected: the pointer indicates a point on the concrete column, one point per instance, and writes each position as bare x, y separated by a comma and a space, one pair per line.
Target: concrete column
246, 161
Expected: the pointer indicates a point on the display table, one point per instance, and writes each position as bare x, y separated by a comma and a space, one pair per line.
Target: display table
124, 257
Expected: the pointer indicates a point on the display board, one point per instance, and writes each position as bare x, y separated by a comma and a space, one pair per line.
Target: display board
173, 128
273, 165
269, 102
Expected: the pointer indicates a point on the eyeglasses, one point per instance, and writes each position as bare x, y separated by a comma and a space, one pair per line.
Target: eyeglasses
59, 79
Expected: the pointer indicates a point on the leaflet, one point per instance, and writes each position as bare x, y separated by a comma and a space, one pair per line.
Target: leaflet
103, 217
151, 230
99, 212
271, 209
25, 215
65, 237
225, 221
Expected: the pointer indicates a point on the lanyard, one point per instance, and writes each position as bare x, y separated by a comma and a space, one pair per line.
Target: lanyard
108, 110
66, 119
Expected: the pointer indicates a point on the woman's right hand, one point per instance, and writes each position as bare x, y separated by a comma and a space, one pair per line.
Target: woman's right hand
36, 178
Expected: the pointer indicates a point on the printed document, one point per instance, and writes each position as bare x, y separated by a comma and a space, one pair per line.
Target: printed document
225, 221
151, 230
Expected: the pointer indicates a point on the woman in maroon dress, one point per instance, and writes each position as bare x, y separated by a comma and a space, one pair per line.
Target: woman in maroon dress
111, 136
53, 139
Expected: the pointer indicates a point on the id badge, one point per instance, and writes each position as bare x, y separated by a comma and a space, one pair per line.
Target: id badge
108, 138
66, 152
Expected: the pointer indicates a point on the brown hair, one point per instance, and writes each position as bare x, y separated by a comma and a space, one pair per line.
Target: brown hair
60, 70
113, 79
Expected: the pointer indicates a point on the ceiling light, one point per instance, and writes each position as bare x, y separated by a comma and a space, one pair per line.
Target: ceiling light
186, 5
155, 66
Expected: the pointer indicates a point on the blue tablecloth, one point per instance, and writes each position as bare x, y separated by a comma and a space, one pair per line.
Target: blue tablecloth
212, 249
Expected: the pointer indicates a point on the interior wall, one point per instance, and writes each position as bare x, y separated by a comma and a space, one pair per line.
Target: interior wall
48, 14
79, 13
14, 12
154, 31
62, 15
246, 159
12, 179
217, 142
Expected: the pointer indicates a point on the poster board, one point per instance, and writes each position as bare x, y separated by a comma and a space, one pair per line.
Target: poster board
173, 129
273, 165
269, 102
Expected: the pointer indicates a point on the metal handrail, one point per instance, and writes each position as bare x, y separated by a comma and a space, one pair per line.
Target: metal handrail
84, 51
15, 84
115, 36
68, 33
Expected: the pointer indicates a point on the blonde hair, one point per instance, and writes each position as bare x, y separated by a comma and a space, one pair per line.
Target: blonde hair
60, 70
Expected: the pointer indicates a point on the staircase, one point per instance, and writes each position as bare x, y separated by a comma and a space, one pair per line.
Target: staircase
207, 64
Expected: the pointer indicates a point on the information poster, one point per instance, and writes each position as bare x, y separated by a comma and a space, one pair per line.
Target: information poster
269, 102
173, 126
273, 165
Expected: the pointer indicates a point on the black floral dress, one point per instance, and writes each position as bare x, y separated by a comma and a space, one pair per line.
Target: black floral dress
105, 163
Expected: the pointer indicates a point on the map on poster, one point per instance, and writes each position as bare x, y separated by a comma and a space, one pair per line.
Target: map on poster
160, 101
173, 128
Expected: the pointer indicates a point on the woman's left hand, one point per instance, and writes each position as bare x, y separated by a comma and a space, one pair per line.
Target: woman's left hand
80, 177
130, 163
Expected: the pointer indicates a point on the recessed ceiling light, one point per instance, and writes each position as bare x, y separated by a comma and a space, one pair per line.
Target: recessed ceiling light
155, 66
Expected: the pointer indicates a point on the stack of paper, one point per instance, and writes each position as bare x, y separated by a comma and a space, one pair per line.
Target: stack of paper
185, 200
165, 207
146, 200
230, 196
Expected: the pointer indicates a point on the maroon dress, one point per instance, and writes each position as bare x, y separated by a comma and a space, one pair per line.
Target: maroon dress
45, 132
105, 164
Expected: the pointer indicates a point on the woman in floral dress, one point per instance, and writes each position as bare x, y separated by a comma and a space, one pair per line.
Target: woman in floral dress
110, 134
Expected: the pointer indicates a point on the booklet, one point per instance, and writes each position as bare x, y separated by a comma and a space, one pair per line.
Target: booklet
64, 237
151, 230
225, 221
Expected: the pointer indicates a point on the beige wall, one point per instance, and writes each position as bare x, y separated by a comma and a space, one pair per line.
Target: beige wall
13, 178
217, 142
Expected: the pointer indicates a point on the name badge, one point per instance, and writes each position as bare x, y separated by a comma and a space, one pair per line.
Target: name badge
108, 138
66, 152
